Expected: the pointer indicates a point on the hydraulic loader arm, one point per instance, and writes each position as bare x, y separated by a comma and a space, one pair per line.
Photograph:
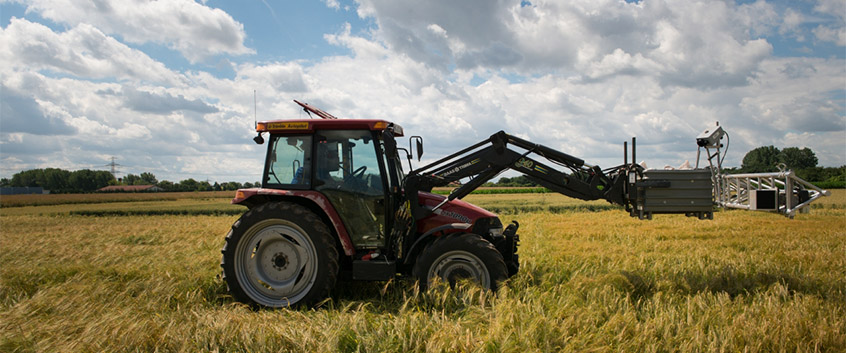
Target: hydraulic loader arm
487, 159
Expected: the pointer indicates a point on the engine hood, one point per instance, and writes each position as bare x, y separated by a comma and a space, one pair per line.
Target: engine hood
455, 211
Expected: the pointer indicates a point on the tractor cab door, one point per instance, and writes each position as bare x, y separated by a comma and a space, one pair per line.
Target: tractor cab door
348, 171
401, 219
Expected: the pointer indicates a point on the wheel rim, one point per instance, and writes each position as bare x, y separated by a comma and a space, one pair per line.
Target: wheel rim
276, 263
455, 265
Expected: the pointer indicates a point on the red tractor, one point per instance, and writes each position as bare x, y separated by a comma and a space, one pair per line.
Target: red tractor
335, 201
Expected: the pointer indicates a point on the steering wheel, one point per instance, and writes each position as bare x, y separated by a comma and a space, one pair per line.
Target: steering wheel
355, 180
358, 173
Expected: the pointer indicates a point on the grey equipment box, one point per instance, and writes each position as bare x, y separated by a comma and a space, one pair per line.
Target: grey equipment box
675, 191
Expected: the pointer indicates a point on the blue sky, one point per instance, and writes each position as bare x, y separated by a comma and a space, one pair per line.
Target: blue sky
278, 31
167, 87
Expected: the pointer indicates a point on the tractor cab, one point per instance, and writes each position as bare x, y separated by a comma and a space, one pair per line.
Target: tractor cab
345, 163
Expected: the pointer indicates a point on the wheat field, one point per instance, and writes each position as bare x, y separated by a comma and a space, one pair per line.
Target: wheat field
142, 276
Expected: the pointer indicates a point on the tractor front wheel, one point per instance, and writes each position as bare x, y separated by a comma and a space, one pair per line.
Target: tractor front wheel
279, 254
454, 257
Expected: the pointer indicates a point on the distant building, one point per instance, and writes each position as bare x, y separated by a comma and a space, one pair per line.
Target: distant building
23, 190
130, 188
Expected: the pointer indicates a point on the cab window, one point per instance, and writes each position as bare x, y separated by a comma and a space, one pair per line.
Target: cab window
289, 162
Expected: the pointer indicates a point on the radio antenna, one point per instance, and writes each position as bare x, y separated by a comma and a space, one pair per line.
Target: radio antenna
255, 119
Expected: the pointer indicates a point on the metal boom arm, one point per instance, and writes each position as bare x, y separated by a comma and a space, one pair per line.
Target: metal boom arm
488, 158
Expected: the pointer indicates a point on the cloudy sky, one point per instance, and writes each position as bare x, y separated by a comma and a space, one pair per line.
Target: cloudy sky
167, 86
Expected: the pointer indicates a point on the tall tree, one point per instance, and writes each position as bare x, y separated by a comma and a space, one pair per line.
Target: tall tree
761, 159
204, 186
52, 179
148, 178
86, 180
167, 185
232, 185
188, 185
795, 158
132, 179
26, 178
56, 179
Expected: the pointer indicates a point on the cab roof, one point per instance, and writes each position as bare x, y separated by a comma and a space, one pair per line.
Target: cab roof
310, 125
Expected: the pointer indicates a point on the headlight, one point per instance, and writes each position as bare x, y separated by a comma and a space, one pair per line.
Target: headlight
496, 232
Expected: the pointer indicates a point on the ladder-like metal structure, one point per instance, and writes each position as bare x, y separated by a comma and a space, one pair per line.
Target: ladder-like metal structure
781, 191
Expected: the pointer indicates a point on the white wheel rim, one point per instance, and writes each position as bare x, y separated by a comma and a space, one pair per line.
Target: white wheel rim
456, 264
276, 263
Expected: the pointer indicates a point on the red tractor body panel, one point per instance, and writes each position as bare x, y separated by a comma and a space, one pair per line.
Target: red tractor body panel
318, 198
455, 211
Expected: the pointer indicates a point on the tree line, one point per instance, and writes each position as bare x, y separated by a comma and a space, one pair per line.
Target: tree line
759, 160
60, 181
802, 161
762, 159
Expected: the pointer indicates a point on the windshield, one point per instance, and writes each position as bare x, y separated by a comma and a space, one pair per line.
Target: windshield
348, 157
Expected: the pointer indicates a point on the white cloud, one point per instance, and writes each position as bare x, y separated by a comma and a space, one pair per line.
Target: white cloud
601, 38
193, 29
790, 25
279, 77
332, 4
162, 102
104, 121
578, 76
759, 17
82, 51
828, 34
836, 8
793, 95
23, 113
587, 118
135, 132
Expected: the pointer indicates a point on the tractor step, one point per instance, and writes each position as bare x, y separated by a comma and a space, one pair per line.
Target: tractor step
374, 270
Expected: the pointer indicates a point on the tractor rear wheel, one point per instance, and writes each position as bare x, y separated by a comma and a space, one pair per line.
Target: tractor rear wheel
279, 254
454, 257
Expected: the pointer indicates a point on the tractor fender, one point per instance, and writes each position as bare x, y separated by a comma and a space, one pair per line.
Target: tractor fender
420, 240
255, 196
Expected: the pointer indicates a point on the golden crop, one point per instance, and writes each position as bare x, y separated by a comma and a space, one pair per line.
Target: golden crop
142, 276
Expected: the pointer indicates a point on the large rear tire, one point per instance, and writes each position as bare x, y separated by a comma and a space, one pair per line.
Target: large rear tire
454, 257
279, 254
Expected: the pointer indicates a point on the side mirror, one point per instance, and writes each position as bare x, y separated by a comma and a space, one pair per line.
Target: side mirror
419, 141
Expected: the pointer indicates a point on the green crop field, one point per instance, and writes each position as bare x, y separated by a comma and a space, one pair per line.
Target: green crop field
89, 273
